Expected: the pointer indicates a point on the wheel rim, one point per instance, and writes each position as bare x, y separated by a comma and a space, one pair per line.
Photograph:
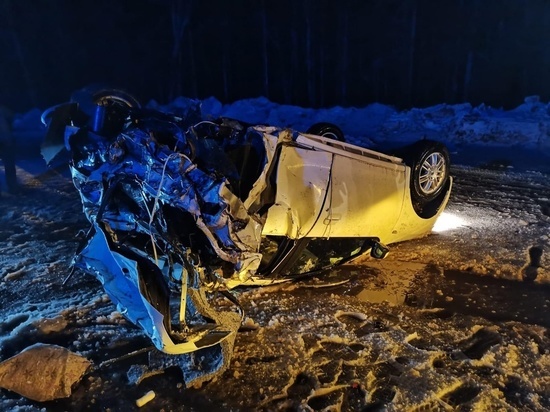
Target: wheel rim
330, 135
114, 99
432, 173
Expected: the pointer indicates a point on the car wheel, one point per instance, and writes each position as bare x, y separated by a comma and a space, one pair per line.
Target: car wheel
115, 97
429, 171
327, 130
101, 94
107, 108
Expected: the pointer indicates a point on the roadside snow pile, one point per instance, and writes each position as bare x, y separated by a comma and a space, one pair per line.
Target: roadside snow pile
527, 126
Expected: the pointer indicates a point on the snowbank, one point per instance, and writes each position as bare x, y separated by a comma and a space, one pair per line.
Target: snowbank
527, 127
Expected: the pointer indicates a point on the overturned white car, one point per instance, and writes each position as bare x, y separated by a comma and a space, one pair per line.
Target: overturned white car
182, 210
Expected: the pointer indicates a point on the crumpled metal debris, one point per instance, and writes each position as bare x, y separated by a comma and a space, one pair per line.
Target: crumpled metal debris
43, 372
149, 206
168, 231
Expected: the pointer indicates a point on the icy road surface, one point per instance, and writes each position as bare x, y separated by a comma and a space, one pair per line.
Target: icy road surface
457, 321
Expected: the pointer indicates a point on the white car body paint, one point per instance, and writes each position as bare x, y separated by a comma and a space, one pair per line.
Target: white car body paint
329, 189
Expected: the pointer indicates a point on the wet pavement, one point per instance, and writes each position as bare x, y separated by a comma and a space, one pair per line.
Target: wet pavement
451, 291
493, 299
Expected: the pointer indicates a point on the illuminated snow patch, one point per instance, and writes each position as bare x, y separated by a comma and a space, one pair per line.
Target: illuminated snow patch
448, 221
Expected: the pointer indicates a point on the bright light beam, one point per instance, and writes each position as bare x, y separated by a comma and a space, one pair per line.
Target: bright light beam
448, 221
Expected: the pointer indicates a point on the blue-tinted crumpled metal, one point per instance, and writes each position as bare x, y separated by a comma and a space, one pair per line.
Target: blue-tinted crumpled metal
165, 232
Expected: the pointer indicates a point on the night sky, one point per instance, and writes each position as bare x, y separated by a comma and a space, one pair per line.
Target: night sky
316, 53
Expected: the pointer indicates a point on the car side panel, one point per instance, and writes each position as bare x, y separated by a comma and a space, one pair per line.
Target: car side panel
302, 182
410, 225
366, 198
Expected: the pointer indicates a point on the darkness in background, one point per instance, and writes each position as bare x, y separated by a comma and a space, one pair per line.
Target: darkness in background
306, 52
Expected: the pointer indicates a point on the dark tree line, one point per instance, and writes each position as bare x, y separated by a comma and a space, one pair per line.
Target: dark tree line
305, 52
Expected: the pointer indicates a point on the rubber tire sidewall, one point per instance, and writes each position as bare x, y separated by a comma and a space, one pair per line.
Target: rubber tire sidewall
423, 150
325, 129
120, 96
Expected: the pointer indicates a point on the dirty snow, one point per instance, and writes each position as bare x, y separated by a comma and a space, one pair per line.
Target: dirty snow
454, 321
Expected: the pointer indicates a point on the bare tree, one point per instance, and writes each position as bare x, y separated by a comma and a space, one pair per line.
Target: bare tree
292, 74
344, 30
265, 34
309, 53
412, 41
11, 36
180, 14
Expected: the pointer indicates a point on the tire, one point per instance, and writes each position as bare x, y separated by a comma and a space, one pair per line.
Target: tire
107, 108
429, 171
96, 94
327, 130
115, 97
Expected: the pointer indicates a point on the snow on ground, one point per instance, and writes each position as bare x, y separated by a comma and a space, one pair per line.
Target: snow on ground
444, 323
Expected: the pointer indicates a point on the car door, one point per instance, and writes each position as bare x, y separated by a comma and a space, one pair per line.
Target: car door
365, 193
303, 176
366, 197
